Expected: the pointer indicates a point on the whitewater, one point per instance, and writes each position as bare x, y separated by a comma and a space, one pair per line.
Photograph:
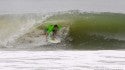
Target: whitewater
62, 60
92, 35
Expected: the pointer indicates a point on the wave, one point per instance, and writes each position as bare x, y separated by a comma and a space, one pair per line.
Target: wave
12, 26
103, 30
81, 30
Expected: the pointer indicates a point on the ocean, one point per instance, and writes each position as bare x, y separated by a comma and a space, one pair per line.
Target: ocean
92, 35
90, 41
62, 60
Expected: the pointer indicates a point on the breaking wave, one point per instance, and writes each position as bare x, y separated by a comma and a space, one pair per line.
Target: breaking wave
80, 30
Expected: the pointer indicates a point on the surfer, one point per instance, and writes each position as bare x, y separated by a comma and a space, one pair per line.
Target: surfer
52, 31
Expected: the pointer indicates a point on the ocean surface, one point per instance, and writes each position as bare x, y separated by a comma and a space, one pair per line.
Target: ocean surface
92, 35
62, 60
89, 41
80, 31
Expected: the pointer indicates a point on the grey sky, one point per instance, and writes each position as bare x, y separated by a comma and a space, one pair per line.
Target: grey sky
29, 6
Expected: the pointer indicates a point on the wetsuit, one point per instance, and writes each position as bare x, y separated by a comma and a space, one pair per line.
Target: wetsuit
51, 28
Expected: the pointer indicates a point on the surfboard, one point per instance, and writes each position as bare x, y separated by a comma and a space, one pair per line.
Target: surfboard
55, 40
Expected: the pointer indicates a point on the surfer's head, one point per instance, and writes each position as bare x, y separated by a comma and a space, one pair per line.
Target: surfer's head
55, 29
56, 25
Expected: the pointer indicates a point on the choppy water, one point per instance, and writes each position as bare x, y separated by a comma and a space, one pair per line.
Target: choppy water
62, 60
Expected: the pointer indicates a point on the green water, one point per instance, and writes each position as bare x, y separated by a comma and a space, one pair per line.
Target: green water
79, 30
93, 30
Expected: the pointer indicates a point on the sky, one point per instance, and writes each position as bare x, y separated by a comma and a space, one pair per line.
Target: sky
37, 6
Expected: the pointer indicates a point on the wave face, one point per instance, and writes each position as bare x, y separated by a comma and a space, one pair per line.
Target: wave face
93, 30
81, 30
